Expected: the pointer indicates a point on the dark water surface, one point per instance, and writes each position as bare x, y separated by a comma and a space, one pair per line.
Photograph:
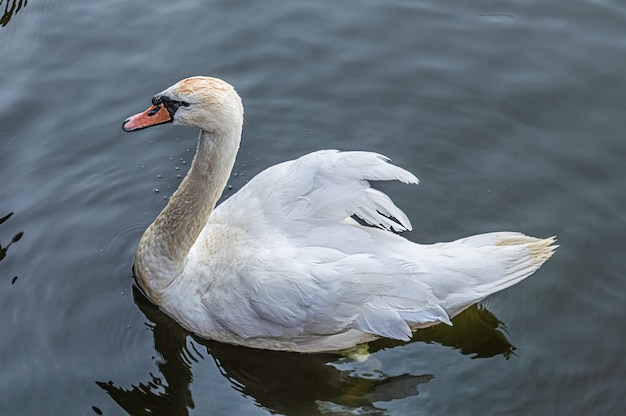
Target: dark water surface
510, 113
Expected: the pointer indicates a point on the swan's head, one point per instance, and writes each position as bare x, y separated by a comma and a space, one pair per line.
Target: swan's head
208, 103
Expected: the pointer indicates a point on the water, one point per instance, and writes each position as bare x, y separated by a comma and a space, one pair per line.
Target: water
511, 114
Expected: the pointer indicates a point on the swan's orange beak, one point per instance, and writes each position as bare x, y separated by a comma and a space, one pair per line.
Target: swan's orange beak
156, 114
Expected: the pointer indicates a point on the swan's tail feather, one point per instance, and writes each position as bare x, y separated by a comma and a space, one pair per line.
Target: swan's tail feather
496, 261
539, 251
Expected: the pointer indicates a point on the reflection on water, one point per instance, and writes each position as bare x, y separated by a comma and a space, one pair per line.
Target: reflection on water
16, 238
322, 384
475, 332
10, 8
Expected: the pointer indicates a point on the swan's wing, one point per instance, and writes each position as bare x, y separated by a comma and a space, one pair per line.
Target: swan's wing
322, 187
302, 269
324, 291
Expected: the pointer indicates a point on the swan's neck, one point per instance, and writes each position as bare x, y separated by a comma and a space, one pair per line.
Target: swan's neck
164, 246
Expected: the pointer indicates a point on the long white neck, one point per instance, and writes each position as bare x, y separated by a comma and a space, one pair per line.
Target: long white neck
164, 246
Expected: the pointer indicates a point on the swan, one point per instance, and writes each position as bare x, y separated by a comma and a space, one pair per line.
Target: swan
283, 264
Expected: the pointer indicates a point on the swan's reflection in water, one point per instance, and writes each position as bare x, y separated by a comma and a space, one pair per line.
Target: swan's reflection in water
291, 383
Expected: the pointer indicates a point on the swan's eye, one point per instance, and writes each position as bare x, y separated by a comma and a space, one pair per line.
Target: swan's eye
184, 103
154, 110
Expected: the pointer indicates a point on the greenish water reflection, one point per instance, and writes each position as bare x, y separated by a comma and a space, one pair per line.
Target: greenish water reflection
291, 383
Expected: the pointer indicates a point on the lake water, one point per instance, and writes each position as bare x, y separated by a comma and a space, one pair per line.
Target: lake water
510, 113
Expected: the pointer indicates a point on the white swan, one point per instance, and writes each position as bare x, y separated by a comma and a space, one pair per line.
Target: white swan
282, 264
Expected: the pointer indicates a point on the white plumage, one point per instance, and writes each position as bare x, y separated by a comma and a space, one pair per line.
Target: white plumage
283, 265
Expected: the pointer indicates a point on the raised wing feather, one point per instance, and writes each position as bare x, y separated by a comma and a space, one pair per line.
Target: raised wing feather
325, 187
